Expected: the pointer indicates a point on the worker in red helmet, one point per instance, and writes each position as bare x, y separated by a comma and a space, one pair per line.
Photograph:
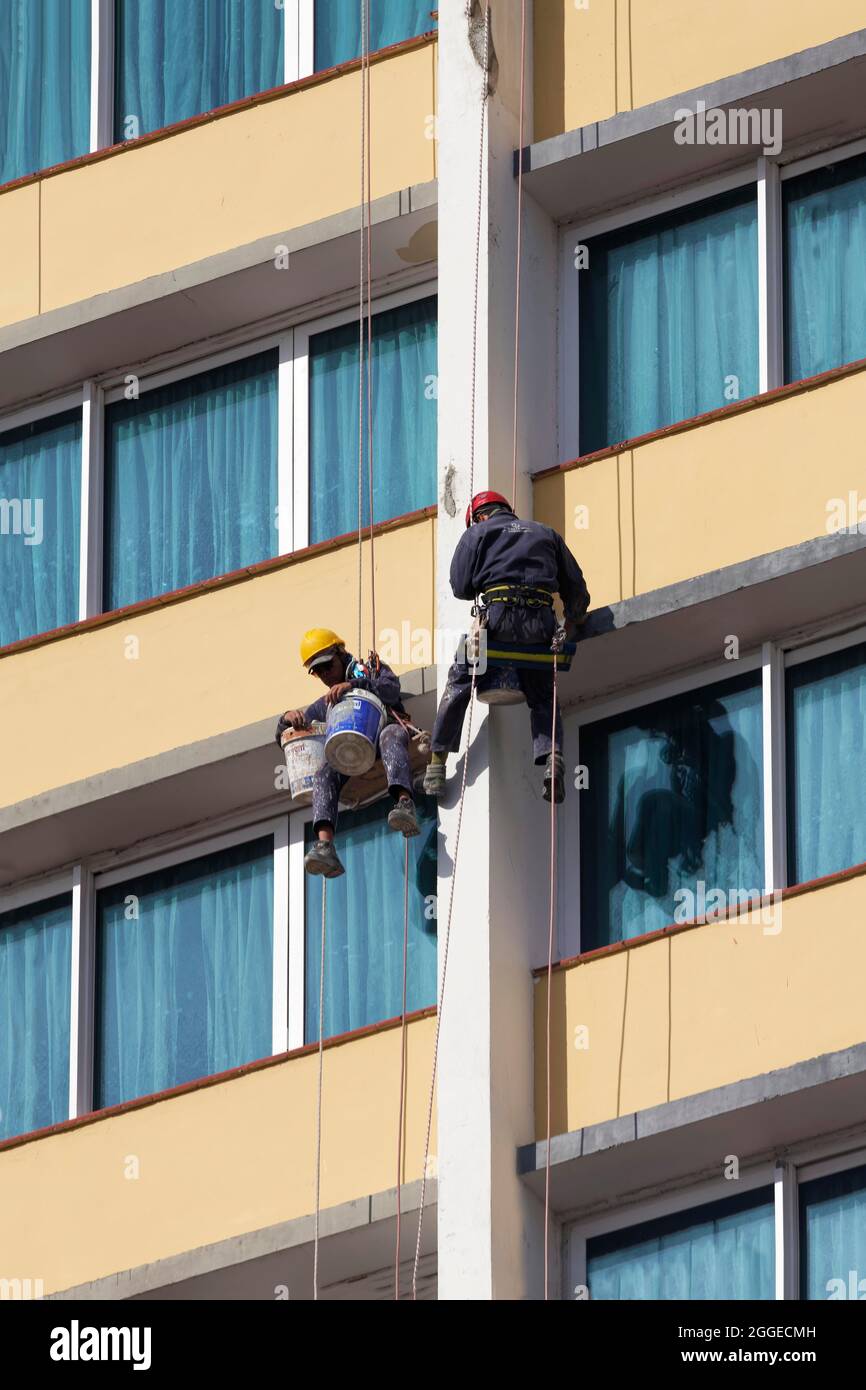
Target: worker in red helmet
515, 567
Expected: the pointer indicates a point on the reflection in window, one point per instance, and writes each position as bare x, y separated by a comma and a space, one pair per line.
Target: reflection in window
671, 823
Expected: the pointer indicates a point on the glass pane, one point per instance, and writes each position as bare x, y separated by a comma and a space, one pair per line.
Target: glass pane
404, 420
825, 250
184, 972
44, 84
725, 1250
826, 764
833, 1236
364, 926
40, 505
338, 27
35, 987
191, 480
671, 824
668, 320
175, 60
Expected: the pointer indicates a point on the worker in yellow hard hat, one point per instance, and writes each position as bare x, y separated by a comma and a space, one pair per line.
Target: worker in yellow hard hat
324, 654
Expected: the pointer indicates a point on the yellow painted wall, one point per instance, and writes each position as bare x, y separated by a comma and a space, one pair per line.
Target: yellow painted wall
704, 1008
230, 1158
697, 500
206, 665
262, 170
614, 55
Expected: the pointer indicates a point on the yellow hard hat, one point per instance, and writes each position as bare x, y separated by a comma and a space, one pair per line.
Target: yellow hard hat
317, 641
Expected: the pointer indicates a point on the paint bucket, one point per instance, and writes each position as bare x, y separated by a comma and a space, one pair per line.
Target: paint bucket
352, 732
304, 751
499, 686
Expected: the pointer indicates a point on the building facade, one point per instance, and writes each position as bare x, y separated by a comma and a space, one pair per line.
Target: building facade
181, 212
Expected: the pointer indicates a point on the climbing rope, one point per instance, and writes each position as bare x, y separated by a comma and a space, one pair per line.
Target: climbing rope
319, 1100
555, 750
519, 246
402, 1065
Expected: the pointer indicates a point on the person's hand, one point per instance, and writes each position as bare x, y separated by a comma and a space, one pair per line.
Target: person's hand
338, 692
295, 719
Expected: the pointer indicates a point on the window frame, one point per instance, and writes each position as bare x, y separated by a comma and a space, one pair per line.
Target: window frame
767, 174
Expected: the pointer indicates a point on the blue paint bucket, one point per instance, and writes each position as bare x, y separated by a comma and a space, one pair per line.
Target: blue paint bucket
352, 732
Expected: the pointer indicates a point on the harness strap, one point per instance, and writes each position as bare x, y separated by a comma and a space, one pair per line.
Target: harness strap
522, 594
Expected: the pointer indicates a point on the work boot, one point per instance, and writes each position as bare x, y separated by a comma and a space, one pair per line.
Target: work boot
434, 776
403, 817
321, 858
554, 774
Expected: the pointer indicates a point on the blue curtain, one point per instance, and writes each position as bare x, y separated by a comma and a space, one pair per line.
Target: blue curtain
826, 764
184, 988
178, 58
674, 802
44, 84
668, 314
404, 420
364, 927
191, 480
35, 986
833, 1235
338, 27
825, 252
40, 506
725, 1250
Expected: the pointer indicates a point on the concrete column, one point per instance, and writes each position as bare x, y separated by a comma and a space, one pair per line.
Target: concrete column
490, 1227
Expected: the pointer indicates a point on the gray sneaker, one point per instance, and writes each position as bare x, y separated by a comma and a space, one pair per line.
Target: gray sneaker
321, 858
434, 779
403, 817
554, 776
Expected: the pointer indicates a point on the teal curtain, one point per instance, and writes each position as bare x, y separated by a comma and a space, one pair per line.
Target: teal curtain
178, 58
404, 420
668, 316
191, 480
35, 988
825, 724
673, 810
833, 1236
364, 926
825, 253
338, 27
40, 512
725, 1251
44, 84
184, 972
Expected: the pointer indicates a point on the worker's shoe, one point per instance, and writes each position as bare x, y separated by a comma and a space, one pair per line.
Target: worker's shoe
403, 817
321, 858
434, 777
554, 777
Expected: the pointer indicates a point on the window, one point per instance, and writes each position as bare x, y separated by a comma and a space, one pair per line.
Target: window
44, 84
338, 27
175, 60
672, 813
404, 419
833, 1235
364, 924
35, 997
825, 250
191, 480
184, 971
825, 719
723, 1250
40, 485
668, 319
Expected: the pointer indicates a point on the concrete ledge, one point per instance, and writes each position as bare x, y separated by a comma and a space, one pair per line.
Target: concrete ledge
757, 1117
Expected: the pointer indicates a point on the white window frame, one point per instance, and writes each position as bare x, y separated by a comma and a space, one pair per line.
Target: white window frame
768, 175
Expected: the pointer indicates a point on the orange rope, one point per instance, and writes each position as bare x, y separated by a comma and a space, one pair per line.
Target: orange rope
319, 1100
402, 1065
519, 245
555, 750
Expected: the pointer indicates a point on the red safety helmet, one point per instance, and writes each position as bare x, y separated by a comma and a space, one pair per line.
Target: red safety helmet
482, 500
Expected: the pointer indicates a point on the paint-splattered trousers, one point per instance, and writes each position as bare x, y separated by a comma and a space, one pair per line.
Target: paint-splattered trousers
505, 623
328, 782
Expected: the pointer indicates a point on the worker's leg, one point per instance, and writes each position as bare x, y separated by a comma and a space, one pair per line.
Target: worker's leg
448, 725
321, 857
537, 686
394, 752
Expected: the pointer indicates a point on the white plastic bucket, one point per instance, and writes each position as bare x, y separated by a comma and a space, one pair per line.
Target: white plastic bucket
352, 732
304, 751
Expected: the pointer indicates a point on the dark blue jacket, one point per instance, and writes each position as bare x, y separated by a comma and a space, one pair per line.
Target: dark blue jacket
504, 549
385, 685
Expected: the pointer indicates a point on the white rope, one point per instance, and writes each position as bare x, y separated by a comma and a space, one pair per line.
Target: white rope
402, 1066
554, 751
319, 1100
